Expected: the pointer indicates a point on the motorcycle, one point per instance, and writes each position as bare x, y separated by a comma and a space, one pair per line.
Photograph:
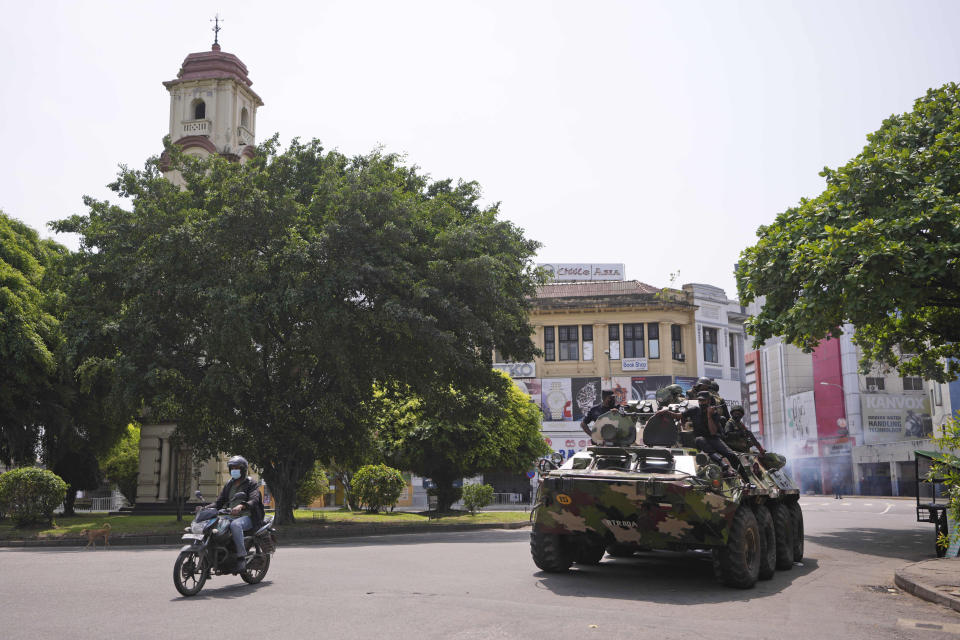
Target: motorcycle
210, 550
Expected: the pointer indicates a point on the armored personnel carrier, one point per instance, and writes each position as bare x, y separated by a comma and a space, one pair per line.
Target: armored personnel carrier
655, 491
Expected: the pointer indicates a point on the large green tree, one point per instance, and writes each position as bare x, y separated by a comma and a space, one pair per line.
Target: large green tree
48, 409
879, 248
456, 434
29, 338
259, 304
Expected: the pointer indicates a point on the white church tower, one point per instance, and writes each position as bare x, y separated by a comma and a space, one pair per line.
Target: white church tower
212, 107
212, 110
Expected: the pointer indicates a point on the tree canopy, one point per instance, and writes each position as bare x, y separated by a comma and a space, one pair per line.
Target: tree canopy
29, 337
259, 304
879, 248
459, 434
48, 409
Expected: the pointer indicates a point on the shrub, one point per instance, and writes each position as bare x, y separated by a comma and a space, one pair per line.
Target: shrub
313, 485
29, 495
477, 496
377, 486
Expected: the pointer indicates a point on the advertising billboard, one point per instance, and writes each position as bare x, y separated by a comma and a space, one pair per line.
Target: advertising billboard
645, 387
585, 393
556, 399
889, 417
581, 271
620, 385
801, 425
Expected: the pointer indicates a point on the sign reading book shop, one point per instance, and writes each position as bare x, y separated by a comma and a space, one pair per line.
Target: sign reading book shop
634, 364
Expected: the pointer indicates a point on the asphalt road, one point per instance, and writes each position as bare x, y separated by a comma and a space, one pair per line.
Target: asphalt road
484, 585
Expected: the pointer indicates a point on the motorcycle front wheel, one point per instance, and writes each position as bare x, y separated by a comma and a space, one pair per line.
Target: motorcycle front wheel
189, 572
257, 567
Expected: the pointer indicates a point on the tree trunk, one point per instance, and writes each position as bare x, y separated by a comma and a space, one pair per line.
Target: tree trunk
69, 500
446, 494
283, 481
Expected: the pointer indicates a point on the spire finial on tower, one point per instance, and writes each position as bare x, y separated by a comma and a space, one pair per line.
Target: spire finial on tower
216, 31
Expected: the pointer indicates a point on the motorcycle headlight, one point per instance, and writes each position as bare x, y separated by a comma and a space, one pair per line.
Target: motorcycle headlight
198, 527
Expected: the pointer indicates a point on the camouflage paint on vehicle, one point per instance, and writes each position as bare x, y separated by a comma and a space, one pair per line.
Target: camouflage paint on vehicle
655, 510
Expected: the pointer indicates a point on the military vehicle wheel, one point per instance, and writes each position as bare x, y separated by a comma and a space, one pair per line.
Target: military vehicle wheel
549, 552
620, 550
768, 551
590, 554
739, 561
783, 529
796, 517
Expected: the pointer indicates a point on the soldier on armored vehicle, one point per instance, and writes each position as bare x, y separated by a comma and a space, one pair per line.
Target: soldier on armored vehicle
708, 428
607, 403
739, 438
708, 384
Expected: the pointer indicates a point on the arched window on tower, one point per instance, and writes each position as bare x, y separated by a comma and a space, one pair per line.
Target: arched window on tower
244, 118
199, 109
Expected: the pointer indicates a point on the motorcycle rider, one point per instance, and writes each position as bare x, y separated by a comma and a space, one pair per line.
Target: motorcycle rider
242, 496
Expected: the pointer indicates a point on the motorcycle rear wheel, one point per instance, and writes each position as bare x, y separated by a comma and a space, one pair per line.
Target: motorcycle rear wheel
190, 572
257, 566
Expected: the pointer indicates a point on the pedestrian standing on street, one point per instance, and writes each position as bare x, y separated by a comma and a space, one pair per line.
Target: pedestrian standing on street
837, 487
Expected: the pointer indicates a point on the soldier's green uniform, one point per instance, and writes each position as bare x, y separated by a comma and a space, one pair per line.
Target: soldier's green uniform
739, 438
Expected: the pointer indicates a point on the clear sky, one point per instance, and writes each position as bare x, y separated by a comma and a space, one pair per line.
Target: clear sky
655, 134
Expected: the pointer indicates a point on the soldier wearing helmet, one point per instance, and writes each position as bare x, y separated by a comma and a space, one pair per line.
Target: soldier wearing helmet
708, 384
242, 496
708, 425
737, 436
608, 403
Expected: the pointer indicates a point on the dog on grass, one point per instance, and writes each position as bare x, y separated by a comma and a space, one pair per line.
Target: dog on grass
93, 534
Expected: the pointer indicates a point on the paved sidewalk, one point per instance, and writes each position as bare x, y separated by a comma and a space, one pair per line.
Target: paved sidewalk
301, 536
936, 580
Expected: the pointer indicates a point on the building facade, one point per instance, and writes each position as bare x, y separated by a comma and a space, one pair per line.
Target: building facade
720, 339
842, 429
624, 336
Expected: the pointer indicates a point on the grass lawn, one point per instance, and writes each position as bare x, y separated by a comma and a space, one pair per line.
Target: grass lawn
405, 517
70, 527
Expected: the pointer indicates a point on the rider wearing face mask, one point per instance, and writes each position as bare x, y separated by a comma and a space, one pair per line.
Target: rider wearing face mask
242, 496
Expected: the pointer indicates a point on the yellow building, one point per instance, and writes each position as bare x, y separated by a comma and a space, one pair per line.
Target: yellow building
624, 336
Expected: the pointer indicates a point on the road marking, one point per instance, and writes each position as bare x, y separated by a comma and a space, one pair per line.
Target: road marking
889, 506
945, 627
868, 504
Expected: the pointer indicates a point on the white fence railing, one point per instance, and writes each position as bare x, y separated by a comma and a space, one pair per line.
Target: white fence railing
89, 505
509, 498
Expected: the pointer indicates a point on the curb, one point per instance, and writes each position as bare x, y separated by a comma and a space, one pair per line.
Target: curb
334, 532
921, 580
